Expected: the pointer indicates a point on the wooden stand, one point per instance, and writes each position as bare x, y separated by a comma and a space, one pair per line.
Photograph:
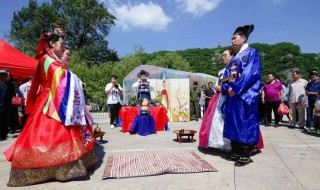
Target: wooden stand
188, 133
101, 134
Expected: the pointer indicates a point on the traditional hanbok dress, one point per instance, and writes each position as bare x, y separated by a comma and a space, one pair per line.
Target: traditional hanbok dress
211, 130
57, 141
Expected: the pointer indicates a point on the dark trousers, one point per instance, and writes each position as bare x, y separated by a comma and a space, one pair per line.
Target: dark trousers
309, 114
241, 149
24, 117
194, 111
316, 122
206, 105
14, 120
114, 112
272, 106
262, 112
4, 124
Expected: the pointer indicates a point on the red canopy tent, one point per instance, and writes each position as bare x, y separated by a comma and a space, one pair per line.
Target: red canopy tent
19, 65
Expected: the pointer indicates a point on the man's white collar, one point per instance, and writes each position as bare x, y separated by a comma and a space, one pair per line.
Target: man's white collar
245, 46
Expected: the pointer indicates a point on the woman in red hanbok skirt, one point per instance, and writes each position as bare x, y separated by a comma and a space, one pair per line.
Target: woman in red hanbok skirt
57, 141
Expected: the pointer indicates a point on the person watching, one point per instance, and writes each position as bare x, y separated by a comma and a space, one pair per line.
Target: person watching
311, 91
272, 95
113, 92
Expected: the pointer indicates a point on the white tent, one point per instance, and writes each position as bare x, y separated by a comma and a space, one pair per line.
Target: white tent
171, 86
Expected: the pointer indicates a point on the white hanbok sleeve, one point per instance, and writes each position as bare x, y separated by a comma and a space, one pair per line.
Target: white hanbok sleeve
151, 87
135, 86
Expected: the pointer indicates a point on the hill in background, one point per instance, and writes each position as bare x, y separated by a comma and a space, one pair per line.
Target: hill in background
280, 59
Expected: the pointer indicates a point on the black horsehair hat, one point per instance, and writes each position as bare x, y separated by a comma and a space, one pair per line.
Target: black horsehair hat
244, 30
142, 72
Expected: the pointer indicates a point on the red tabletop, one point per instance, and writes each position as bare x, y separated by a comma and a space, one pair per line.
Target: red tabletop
127, 114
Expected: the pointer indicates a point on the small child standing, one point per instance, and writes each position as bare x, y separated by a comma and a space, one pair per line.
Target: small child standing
316, 114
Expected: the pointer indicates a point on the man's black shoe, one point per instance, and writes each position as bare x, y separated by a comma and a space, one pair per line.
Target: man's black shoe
233, 157
242, 161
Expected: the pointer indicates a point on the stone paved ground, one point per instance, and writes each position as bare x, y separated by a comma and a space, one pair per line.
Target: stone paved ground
290, 160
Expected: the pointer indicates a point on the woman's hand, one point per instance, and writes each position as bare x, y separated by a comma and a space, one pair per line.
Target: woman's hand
218, 88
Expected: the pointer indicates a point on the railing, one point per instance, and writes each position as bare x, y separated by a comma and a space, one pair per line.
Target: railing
99, 114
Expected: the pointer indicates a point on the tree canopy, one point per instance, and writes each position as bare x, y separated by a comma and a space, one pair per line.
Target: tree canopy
86, 22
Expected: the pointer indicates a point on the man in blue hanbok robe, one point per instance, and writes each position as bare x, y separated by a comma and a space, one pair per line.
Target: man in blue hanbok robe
242, 83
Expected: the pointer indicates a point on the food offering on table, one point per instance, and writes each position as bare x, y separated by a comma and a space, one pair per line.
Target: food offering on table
145, 109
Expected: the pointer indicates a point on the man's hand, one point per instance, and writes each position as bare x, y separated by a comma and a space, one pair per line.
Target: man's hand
218, 88
231, 92
143, 84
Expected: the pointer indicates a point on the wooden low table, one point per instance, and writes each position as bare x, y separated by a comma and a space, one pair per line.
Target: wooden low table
189, 133
101, 134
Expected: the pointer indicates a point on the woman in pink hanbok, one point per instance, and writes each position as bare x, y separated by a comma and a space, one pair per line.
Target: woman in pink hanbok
211, 130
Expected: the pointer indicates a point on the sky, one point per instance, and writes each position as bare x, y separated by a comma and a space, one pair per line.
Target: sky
182, 24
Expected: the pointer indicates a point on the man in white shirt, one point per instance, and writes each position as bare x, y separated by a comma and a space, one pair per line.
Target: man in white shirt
296, 95
113, 91
24, 89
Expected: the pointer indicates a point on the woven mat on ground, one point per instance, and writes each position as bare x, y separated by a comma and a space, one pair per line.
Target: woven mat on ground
136, 165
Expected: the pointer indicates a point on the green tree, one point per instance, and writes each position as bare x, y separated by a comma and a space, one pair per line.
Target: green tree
171, 60
28, 24
123, 67
86, 22
95, 77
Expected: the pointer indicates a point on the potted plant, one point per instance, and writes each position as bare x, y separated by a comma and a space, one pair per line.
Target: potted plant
132, 101
157, 100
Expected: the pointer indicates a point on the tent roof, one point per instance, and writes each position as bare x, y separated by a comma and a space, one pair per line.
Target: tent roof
18, 64
164, 73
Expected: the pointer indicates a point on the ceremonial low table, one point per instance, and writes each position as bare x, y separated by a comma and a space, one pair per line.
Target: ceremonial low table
127, 115
189, 133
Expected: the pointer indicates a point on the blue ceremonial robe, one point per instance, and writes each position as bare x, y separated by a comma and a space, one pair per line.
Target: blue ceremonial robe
241, 111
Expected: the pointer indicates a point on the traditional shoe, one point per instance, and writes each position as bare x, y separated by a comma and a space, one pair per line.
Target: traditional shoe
232, 157
255, 152
242, 161
235, 157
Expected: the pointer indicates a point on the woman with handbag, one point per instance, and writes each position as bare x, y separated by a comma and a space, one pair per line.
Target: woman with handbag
17, 101
57, 141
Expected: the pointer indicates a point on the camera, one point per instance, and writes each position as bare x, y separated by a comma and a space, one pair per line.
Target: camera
116, 86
